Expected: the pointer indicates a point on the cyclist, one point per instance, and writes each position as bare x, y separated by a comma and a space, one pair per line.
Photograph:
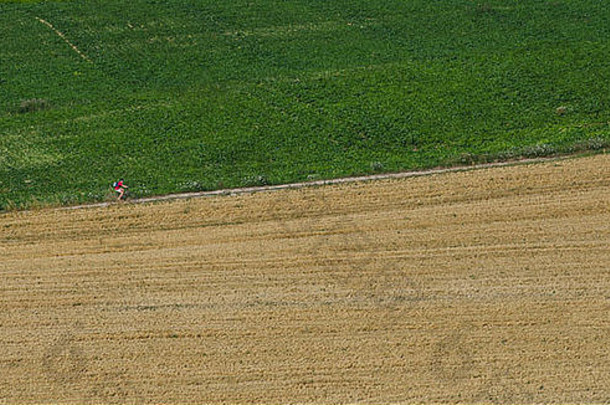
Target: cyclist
119, 187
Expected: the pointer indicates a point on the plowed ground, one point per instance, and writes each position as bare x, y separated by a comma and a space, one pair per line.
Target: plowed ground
488, 285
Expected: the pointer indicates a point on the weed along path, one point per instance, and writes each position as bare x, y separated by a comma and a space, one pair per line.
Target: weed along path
489, 285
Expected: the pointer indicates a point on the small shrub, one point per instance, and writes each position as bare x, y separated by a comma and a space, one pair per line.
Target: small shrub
377, 166
597, 143
561, 110
255, 180
467, 158
33, 104
191, 185
484, 9
540, 150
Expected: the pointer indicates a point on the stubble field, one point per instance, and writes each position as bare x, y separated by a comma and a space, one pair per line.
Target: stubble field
477, 286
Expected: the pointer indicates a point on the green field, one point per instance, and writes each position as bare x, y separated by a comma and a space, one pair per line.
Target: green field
186, 95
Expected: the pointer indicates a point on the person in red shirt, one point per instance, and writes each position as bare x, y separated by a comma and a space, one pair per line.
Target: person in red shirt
119, 187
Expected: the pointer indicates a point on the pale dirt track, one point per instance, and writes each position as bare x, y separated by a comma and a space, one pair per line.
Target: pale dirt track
482, 286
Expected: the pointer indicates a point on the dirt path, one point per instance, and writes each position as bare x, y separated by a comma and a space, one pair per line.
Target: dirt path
317, 183
479, 286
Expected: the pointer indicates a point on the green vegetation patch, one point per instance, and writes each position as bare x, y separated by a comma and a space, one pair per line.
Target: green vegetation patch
196, 95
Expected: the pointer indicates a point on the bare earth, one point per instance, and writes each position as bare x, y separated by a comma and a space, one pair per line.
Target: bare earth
480, 286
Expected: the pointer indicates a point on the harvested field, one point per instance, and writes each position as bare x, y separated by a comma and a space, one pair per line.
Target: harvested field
479, 286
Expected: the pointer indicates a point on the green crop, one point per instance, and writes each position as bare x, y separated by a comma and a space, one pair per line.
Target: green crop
196, 95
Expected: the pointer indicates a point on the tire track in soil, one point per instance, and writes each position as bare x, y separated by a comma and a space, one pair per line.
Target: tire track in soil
116, 385
67, 363
503, 389
367, 274
346, 267
64, 361
363, 274
452, 359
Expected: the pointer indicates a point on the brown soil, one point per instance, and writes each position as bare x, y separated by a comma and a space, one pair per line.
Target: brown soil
482, 286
